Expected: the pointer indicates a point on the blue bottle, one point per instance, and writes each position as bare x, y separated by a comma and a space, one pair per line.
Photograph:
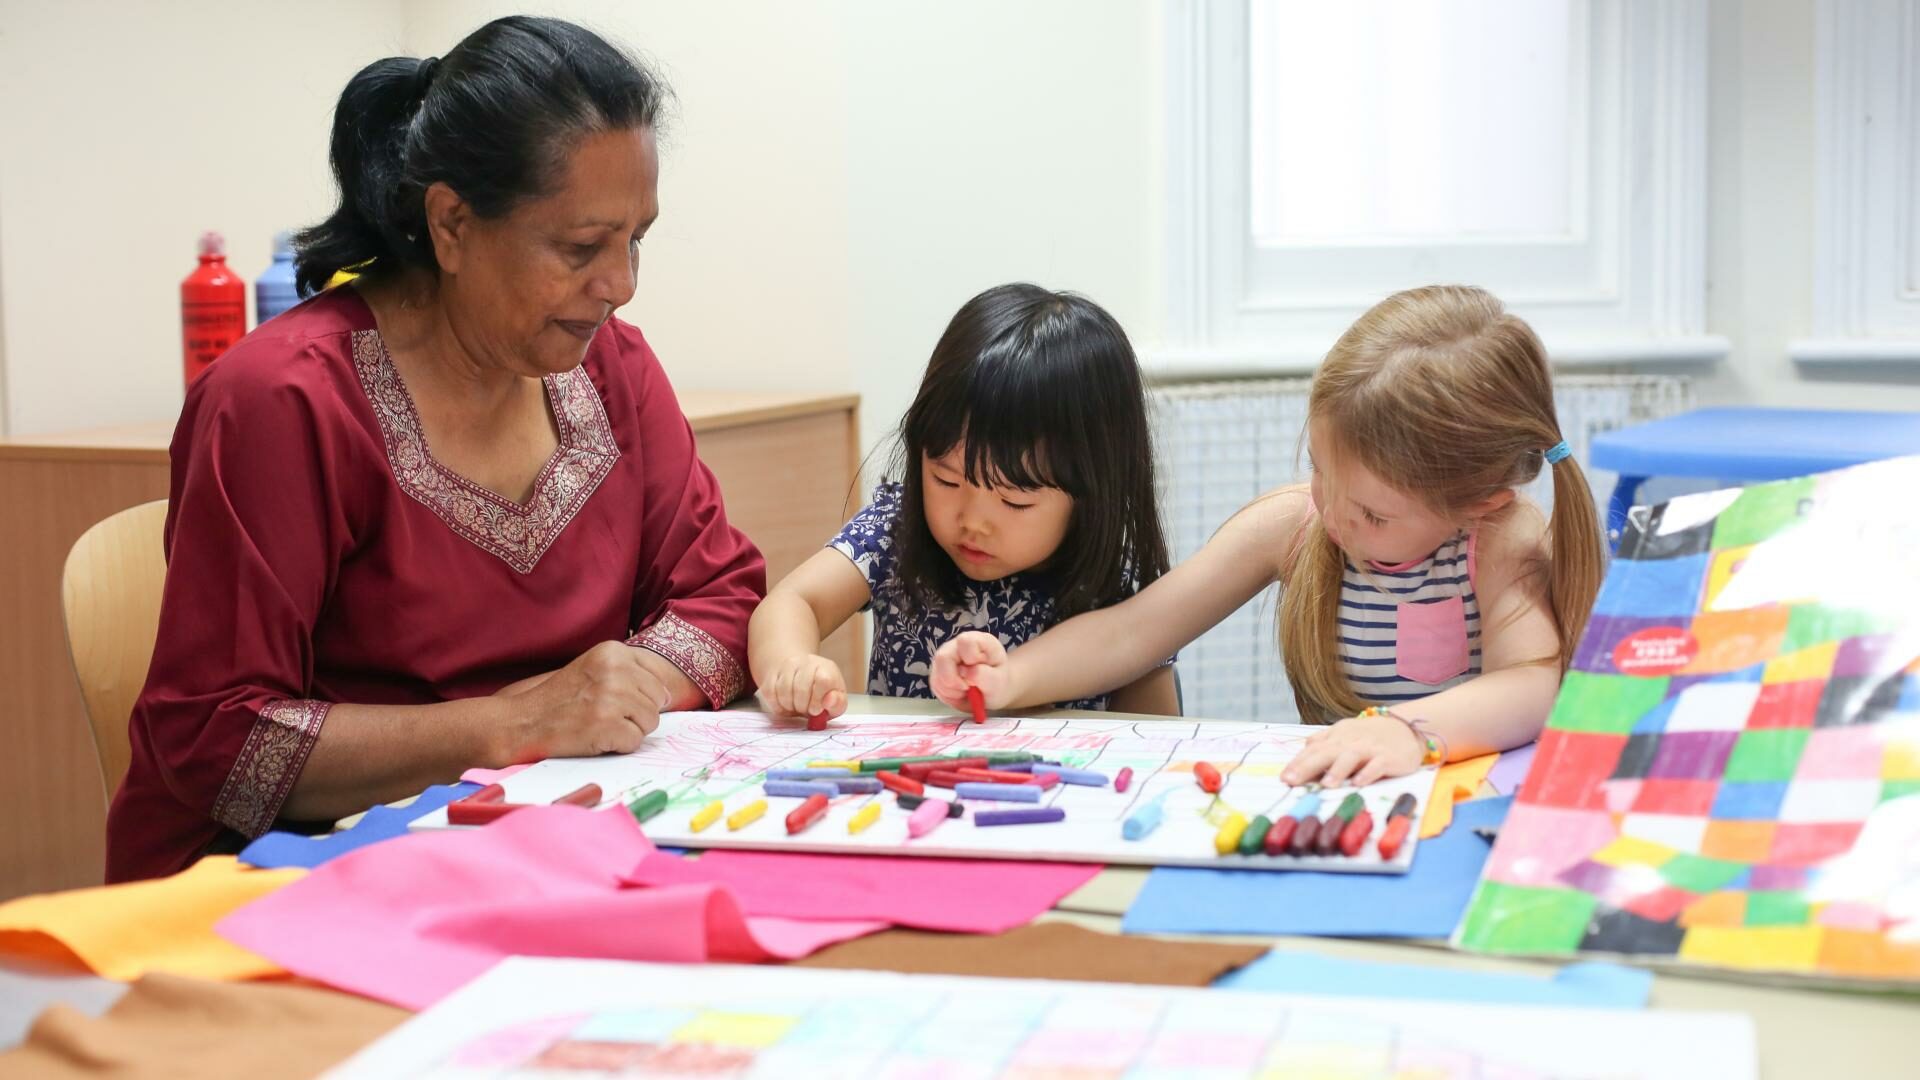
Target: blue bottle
274, 292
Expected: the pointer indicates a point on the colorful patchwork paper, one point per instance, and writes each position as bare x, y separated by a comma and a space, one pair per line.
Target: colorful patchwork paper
1731, 774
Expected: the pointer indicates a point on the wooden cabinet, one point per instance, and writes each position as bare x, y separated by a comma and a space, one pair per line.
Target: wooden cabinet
787, 464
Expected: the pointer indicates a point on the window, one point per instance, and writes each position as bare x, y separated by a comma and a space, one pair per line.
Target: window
1323, 155
1866, 273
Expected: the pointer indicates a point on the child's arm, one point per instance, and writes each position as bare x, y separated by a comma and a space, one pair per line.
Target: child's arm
783, 638
1095, 652
1505, 706
1152, 693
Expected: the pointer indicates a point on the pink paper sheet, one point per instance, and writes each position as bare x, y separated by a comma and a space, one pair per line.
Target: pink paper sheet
478, 775
976, 896
412, 919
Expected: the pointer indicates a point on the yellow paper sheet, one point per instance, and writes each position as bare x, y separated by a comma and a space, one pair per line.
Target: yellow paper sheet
126, 931
1457, 781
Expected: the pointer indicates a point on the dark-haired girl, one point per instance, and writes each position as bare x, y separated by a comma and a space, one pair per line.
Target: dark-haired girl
450, 514
1025, 497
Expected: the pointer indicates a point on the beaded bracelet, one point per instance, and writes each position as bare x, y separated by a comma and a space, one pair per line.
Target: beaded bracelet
1433, 747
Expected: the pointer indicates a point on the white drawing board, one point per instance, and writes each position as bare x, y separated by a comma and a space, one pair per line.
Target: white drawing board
737, 748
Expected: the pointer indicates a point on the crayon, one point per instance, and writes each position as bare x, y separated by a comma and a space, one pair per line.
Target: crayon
927, 818
1255, 835
967, 789
914, 802
587, 795
648, 806
855, 785
1143, 821
893, 781
1207, 777
817, 722
1083, 777
806, 774
868, 815
1354, 836
1031, 816
1227, 840
978, 702
1123, 781
708, 814
800, 788
746, 815
806, 813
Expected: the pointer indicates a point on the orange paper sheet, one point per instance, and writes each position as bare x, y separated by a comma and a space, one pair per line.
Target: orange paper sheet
1460, 780
126, 931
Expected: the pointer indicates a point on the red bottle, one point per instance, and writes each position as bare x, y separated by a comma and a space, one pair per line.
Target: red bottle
213, 307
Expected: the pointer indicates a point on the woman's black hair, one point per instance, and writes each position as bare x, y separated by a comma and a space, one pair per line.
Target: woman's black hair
494, 120
1043, 389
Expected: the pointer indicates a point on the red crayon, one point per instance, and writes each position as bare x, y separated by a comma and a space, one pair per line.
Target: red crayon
994, 776
1303, 836
584, 795
817, 722
893, 781
1043, 780
1354, 836
465, 812
1396, 835
806, 813
919, 769
490, 793
945, 778
979, 702
1280, 834
1207, 776
1124, 780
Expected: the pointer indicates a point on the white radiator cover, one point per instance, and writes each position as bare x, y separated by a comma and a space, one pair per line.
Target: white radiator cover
1219, 444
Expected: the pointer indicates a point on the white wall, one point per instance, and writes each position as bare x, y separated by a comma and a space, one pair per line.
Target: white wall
841, 175
125, 130
1761, 223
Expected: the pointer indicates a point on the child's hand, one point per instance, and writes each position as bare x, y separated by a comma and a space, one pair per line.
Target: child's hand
805, 685
972, 659
1362, 749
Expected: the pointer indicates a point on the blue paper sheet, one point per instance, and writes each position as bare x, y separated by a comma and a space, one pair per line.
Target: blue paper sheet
1593, 986
279, 849
1427, 901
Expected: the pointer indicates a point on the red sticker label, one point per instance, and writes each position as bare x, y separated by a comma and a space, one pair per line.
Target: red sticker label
1657, 651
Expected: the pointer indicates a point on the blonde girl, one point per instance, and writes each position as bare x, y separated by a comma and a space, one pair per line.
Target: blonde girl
1427, 609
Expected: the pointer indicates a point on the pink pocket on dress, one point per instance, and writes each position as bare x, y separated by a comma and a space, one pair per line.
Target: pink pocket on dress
1431, 644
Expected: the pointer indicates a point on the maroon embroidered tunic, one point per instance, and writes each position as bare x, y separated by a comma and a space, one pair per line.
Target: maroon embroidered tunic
316, 553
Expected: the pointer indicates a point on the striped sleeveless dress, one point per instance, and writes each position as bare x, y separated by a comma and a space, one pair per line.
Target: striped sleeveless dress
1411, 630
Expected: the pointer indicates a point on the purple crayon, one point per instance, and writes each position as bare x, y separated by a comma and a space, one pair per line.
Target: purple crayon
1034, 816
801, 788
855, 785
1084, 777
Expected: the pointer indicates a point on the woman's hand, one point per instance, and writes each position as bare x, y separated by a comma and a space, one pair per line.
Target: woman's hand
604, 702
805, 685
1360, 749
973, 659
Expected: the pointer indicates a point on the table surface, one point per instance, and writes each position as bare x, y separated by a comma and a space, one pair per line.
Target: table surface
1801, 1031
1755, 444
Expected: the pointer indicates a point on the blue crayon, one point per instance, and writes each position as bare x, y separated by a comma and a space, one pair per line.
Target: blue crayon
999, 792
855, 785
1144, 820
806, 774
800, 788
1084, 777
1308, 806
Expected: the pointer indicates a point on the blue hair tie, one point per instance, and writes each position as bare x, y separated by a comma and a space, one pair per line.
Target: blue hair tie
1558, 452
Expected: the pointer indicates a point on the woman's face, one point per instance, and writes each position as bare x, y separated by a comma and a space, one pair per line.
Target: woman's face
526, 292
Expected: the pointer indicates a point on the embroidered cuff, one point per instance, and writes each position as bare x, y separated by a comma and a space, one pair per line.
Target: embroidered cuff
695, 652
275, 752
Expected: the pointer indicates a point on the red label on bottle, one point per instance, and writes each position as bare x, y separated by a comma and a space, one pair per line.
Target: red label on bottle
1656, 651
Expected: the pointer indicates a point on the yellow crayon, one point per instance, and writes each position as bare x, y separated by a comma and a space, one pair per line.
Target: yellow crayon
1227, 840
708, 814
746, 815
866, 817
850, 766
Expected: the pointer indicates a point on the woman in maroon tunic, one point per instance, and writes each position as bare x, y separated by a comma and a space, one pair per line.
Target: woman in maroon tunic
448, 515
